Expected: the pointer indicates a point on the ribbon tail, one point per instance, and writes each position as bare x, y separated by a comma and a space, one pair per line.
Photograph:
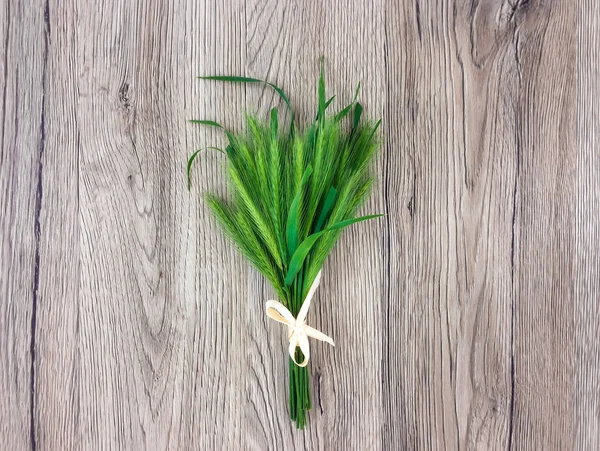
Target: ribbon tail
311, 292
314, 333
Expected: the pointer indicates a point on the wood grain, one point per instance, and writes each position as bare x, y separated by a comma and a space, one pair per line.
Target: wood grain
160, 334
586, 415
20, 162
466, 318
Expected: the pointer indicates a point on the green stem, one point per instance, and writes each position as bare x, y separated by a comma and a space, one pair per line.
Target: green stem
299, 384
293, 409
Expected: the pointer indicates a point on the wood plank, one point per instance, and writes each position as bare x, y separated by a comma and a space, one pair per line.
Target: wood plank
474, 115
160, 340
467, 318
21, 166
284, 45
57, 383
452, 224
544, 310
39, 175
586, 412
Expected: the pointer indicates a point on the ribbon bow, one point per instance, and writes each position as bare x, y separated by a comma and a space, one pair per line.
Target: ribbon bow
298, 331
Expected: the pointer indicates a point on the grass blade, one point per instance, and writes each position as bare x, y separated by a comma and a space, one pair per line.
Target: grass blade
191, 160
327, 205
326, 106
357, 114
348, 222
377, 124
235, 79
212, 124
274, 124
299, 256
205, 122
342, 114
329, 102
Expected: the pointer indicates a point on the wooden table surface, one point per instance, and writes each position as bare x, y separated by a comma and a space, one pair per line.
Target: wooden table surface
467, 318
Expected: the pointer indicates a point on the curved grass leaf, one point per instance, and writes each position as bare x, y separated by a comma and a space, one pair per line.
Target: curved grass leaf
205, 122
213, 124
375, 127
299, 256
329, 102
191, 160
326, 106
342, 114
327, 205
235, 79
357, 114
274, 124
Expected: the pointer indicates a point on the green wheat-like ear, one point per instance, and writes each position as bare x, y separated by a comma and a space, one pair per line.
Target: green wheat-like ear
293, 193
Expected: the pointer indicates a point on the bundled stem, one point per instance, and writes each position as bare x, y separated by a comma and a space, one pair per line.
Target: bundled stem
299, 393
291, 195
299, 387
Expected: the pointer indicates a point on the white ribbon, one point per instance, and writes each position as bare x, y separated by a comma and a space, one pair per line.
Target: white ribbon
298, 331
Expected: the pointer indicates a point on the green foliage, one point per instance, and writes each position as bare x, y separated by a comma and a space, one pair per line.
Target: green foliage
292, 194
191, 160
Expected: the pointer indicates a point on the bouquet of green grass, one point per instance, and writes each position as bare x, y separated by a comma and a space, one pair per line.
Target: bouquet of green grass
292, 193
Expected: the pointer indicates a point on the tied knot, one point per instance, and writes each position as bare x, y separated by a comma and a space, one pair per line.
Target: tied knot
298, 331
297, 328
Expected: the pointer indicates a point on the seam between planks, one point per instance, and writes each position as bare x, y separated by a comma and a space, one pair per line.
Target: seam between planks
37, 231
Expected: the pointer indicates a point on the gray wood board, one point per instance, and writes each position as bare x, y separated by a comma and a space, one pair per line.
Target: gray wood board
467, 318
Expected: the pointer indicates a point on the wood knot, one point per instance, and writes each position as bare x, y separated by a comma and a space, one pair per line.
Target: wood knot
124, 96
510, 11
318, 389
